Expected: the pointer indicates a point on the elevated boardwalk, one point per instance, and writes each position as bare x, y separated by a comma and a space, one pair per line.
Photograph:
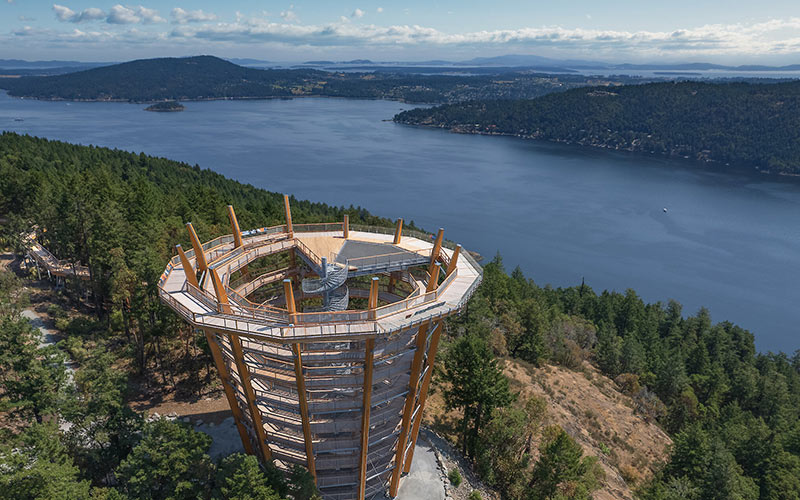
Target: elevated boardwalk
200, 306
48, 261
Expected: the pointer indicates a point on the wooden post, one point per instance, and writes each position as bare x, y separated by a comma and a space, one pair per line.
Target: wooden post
366, 406
372, 303
199, 256
398, 232
453, 260
416, 364
255, 413
288, 211
293, 262
433, 282
423, 394
392, 281
290, 306
222, 369
437, 247
303, 398
222, 296
187, 267
346, 226
237, 234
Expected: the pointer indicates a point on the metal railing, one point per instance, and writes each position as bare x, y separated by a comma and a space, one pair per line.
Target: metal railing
253, 318
321, 227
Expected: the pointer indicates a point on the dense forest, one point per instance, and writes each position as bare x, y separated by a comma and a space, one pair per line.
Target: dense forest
733, 413
744, 124
208, 77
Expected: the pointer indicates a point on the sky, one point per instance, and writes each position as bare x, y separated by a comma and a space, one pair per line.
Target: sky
726, 32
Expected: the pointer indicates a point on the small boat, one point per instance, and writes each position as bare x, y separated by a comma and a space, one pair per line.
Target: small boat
665, 209
18, 120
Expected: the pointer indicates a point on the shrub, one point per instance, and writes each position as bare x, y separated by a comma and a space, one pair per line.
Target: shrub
629, 474
628, 383
83, 327
454, 476
74, 346
56, 311
62, 324
475, 495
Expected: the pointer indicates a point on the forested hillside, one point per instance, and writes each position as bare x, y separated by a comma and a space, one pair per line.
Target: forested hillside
208, 77
743, 124
122, 214
734, 414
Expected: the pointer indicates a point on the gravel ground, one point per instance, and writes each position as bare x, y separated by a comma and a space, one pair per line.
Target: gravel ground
424, 481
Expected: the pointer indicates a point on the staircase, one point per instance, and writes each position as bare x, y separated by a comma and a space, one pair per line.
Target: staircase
336, 297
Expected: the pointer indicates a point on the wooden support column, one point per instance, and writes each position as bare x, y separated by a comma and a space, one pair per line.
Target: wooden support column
453, 260
437, 247
290, 306
288, 210
372, 303
398, 232
222, 369
191, 275
366, 406
423, 394
346, 227
199, 256
416, 365
237, 235
392, 281
433, 282
303, 397
255, 414
222, 295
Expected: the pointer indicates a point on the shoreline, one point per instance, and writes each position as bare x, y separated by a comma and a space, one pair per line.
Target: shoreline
704, 163
208, 99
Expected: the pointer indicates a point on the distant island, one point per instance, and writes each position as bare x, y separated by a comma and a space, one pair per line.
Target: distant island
165, 107
737, 124
208, 77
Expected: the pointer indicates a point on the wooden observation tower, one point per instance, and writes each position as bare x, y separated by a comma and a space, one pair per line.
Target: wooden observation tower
325, 336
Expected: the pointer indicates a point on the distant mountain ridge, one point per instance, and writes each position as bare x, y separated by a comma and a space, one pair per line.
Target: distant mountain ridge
189, 78
209, 77
503, 61
20, 64
533, 60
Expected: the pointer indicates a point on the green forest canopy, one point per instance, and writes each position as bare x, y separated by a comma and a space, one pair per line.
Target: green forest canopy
734, 414
743, 124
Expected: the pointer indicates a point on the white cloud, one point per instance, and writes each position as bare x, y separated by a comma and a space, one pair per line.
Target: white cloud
68, 15
181, 16
357, 14
773, 38
149, 16
379, 10
289, 14
122, 15
90, 14
703, 40
63, 13
118, 14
